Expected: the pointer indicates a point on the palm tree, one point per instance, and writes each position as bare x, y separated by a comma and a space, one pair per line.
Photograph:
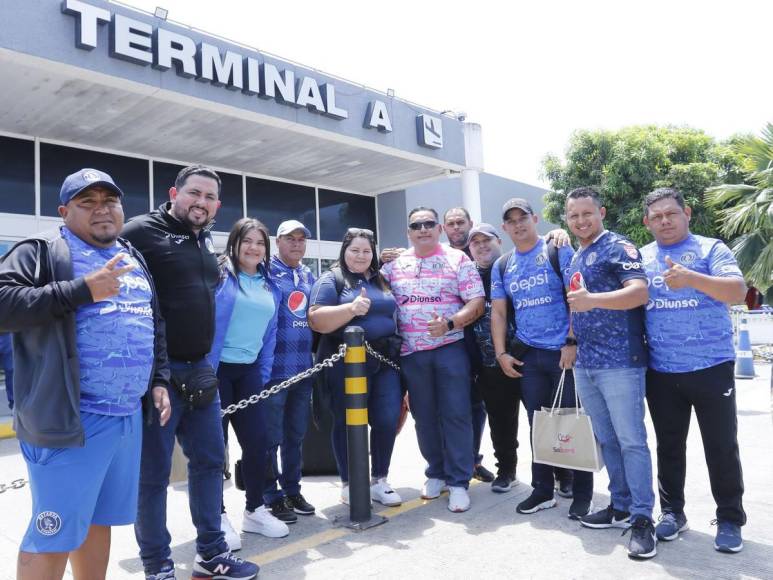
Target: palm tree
746, 211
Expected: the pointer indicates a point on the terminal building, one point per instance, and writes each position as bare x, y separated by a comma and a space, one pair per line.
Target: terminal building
90, 83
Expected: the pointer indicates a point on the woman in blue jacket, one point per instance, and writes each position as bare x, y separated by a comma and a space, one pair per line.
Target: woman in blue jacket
246, 303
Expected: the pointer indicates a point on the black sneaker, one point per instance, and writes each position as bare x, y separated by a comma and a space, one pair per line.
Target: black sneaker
643, 543
580, 508
503, 483
534, 503
482, 474
299, 504
238, 478
609, 517
282, 511
564, 488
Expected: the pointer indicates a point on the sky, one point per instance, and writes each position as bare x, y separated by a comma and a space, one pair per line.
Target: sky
530, 73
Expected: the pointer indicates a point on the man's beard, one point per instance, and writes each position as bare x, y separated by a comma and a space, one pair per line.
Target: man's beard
184, 218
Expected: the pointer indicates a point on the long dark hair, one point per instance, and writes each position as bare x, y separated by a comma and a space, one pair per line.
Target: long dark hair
238, 232
349, 277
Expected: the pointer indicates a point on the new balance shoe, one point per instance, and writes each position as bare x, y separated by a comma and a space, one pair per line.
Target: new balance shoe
482, 474
224, 566
383, 493
535, 502
580, 508
609, 517
670, 525
281, 510
458, 499
433, 488
166, 573
503, 483
643, 543
263, 522
231, 537
299, 505
728, 537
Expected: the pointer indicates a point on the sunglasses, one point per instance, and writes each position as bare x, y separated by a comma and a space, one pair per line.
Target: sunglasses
359, 232
427, 225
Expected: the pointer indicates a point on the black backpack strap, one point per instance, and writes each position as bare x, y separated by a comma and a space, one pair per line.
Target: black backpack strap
503, 260
553, 257
338, 276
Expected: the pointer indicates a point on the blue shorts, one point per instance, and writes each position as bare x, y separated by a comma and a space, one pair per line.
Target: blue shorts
75, 487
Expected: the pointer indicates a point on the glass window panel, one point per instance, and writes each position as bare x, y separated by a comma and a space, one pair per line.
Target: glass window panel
339, 211
17, 175
231, 206
163, 178
313, 265
327, 263
129, 173
273, 202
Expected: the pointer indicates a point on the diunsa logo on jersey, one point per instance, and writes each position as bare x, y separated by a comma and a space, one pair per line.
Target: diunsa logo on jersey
296, 303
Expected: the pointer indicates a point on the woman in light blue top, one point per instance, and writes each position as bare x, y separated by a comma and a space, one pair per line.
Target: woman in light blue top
246, 302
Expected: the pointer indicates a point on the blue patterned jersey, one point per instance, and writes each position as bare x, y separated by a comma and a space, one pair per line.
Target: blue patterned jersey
686, 329
609, 339
114, 336
293, 334
536, 291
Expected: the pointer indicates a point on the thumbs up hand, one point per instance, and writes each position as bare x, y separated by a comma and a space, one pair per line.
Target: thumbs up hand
677, 276
361, 304
437, 326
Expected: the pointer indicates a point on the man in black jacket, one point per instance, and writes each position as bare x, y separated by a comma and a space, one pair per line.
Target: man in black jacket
88, 343
178, 247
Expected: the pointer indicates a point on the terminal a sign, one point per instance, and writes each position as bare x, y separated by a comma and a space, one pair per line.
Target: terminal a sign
144, 44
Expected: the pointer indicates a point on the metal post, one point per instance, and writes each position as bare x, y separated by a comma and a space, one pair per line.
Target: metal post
356, 397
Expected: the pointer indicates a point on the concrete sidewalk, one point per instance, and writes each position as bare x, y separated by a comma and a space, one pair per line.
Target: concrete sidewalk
424, 540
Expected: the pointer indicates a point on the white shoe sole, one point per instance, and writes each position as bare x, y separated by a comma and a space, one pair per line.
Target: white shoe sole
545, 505
673, 536
253, 528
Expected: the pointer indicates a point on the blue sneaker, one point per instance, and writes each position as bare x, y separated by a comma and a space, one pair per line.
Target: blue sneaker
670, 525
224, 566
728, 537
166, 573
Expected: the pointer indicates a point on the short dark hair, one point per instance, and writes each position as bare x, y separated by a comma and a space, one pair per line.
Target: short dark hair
422, 208
663, 193
579, 192
461, 209
203, 170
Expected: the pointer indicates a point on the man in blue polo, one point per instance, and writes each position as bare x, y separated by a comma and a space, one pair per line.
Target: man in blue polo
543, 341
288, 411
608, 287
692, 279
89, 343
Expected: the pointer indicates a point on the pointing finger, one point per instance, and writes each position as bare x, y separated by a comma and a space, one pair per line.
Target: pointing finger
123, 270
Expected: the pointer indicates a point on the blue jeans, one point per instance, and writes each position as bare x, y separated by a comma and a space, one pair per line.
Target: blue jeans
384, 404
541, 375
614, 399
200, 433
287, 417
439, 388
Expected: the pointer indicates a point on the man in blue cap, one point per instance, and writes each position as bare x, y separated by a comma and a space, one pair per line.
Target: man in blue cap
89, 347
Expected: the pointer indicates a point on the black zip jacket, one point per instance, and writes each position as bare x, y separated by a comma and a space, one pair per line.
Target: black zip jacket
184, 268
38, 300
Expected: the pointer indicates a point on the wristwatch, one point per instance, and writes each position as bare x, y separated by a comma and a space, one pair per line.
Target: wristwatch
571, 341
450, 324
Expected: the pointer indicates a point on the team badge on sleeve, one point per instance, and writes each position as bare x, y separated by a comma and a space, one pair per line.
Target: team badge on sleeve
631, 251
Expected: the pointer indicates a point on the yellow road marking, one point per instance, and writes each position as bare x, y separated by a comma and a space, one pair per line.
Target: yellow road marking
6, 430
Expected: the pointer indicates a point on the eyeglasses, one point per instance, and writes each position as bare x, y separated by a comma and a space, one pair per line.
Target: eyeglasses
427, 225
359, 232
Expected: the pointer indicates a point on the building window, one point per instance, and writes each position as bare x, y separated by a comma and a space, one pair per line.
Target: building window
313, 265
164, 175
129, 173
339, 211
273, 202
231, 202
17, 175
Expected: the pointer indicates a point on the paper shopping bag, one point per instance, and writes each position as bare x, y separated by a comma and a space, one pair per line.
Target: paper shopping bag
564, 437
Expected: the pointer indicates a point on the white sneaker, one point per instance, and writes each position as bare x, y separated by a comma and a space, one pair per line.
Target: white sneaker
231, 537
263, 522
345, 495
433, 488
383, 493
458, 500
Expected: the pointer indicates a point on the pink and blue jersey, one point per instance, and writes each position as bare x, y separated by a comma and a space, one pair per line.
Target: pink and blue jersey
686, 329
438, 284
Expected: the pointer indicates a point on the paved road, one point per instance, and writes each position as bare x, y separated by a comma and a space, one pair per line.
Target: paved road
423, 540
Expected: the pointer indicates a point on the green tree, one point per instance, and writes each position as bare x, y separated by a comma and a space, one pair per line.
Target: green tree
627, 164
745, 210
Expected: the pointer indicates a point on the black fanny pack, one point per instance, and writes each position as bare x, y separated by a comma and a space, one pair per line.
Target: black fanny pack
197, 387
517, 348
389, 346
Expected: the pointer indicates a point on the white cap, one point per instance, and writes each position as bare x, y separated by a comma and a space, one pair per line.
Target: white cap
290, 226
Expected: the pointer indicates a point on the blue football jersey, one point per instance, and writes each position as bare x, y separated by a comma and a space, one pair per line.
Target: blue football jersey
686, 329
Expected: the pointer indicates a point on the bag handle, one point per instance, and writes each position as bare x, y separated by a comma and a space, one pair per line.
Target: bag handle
560, 395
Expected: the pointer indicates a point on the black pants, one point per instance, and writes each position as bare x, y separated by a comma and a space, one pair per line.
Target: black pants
711, 392
502, 396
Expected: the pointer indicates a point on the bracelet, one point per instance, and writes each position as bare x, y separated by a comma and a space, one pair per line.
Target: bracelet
500, 354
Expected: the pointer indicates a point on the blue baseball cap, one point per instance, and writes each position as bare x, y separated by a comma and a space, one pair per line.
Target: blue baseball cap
82, 180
